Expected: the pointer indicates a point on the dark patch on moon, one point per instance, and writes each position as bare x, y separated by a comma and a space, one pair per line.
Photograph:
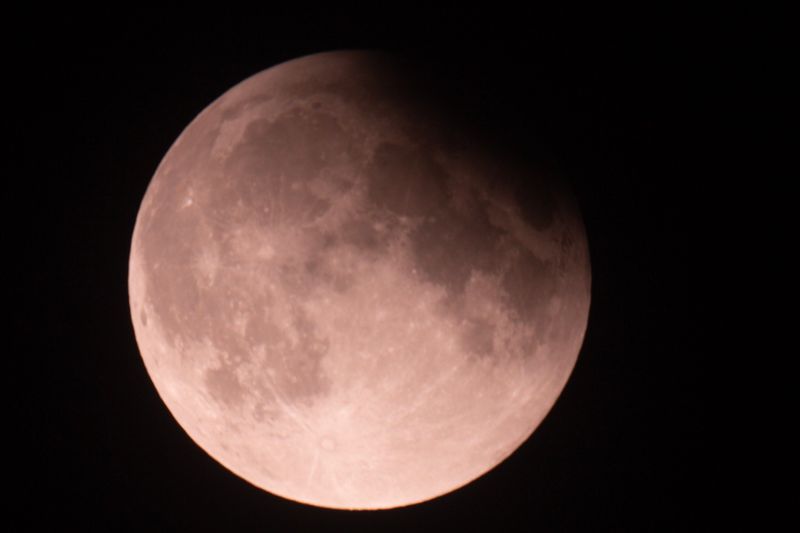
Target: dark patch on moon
477, 337
224, 386
271, 167
304, 363
530, 284
263, 413
405, 180
260, 330
319, 270
537, 201
168, 239
448, 245
296, 145
363, 235
143, 317
175, 296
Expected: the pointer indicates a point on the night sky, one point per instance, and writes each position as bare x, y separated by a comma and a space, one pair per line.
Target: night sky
99, 99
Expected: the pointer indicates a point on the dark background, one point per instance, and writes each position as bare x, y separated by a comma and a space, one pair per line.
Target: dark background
99, 97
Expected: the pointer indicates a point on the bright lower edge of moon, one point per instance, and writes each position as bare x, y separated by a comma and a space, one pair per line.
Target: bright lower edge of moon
344, 302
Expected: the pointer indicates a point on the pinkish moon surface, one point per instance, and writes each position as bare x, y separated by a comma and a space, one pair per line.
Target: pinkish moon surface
342, 299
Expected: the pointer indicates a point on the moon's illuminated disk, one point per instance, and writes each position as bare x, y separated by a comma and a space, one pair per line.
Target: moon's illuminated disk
342, 299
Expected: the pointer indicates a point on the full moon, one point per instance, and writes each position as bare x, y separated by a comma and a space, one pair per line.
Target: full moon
344, 296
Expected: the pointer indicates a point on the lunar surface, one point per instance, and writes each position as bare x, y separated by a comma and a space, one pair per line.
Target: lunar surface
344, 299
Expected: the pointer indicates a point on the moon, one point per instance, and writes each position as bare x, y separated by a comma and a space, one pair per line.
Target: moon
346, 298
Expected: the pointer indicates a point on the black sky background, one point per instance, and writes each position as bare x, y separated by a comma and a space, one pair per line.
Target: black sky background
100, 97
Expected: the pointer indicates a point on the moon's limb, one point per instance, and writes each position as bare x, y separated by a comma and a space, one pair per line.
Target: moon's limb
343, 308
